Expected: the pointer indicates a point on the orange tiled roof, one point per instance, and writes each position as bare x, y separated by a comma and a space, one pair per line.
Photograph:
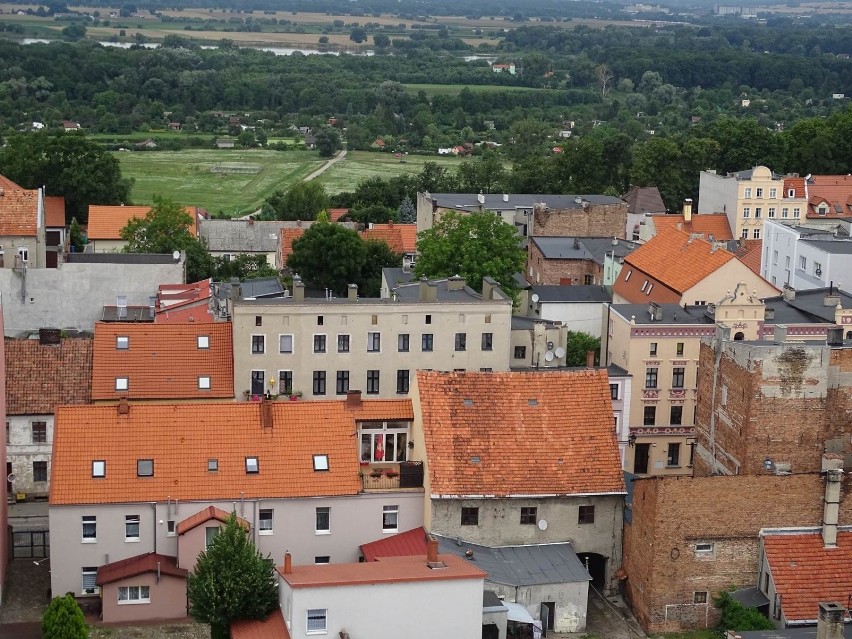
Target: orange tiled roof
532, 433
391, 237
163, 361
273, 627
40, 378
706, 224
195, 314
676, 259
335, 214
202, 516
18, 209
835, 190
106, 222
797, 184
54, 211
180, 438
406, 234
139, 565
288, 236
805, 572
6, 183
749, 253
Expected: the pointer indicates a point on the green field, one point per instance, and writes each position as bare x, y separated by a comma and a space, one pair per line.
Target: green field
360, 165
455, 89
187, 176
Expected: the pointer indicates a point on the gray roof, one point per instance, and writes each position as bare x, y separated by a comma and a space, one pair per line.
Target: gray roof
521, 565
120, 258
750, 597
521, 322
240, 236
411, 292
672, 314
840, 246
262, 287
592, 293
394, 276
809, 632
491, 602
644, 199
808, 307
582, 248
512, 201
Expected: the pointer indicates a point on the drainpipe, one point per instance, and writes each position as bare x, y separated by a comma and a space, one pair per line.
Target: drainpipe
154, 521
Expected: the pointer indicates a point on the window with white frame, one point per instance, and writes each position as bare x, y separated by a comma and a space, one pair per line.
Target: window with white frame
704, 550
803, 263
319, 343
773, 193
203, 342
746, 211
342, 343
252, 466
745, 234
384, 441
264, 526
204, 382
90, 529
321, 462
755, 234
747, 193
131, 528
122, 342
758, 192
822, 209
317, 621
323, 520
758, 211
89, 585
285, 343
98, 468
771, 211
785, 211
258, 344
210, 533
390, 518
122, 383
170, 528
134, 594
797, 211
374, 342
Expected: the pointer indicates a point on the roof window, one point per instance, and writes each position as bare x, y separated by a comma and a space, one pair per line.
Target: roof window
320, 462
203, 341
122, 342
121, 383
144, 467
252, 465
98, 468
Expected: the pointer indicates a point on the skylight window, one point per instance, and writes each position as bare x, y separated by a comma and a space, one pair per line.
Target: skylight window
121, 383
468, 402
212, 465
320, 462
122, 342
204, 383
203, 341
145, 467
98, 468
252, 465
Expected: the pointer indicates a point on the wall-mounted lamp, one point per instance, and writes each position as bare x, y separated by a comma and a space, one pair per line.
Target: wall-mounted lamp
631, 440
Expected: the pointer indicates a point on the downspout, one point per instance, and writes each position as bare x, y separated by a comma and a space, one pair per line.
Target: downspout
154, 515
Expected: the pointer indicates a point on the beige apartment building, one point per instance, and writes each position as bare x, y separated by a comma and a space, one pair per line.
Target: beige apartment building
321, 348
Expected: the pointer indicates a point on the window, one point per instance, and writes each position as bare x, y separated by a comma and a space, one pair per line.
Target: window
342, 344
258, 320
629, 273
678, 375
428, 319
803, 263
24, 254
651, 377
469, 516
98, 468
252, 466
704, 548
745, 234
204, 383
319, 383
652, 350
649, 289
317, 620
775, 258
390, 518
402, 342
122, 343
673, 457
320, 462
39, 471
122, 383
758, 211
90, 529
384, 441
797, 211
699, 597
210, 533
322, 559
676, 415
342, 382
264, 526
488, 341
212, 465
746, 211
747, 193
90, 576
771, 211
319, 343
285, 382
257, 378
649, 415
323, 520
372, 382
461, 341
144, 467
203, 341
402, 381
285, 343
427, 342
613, 391
39, 432
520, 352
679, 349
817, 272
170, 528
374, 342
134, 594
644, 285
258, 344
529, 515
822, 209
758, 192
785, 211
131, 528
586, 515
755, 234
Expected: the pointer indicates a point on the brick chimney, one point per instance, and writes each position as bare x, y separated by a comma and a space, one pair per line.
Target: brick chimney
590, 359
431, 550
353, 399
455, 283
288, 563
266, 413
687, 210
390, 224
830, 620
123, 406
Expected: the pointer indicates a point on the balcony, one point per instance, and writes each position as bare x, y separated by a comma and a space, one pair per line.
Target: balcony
402, 476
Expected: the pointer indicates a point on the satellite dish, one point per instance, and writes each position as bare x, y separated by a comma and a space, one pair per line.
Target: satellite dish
176, 255
10, 477
548, 356
559, 352
542, 524
535, 298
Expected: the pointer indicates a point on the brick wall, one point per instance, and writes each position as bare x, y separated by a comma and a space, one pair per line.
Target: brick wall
551, 271
670, 515
596, 220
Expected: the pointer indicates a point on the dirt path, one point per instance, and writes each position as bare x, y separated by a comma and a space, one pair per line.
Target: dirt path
326, 166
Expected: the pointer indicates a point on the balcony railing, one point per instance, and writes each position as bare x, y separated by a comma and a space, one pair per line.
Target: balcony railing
392, 477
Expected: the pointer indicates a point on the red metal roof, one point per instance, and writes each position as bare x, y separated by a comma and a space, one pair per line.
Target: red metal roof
138, 565
407, 544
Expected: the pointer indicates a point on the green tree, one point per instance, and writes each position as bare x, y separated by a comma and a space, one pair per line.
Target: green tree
328, 141
74, 32
246, 139
63, 619
231, 581
358, 35
68, 165
735, 616
371, 214
328, 256
407, 213
75, 236
165, 229
302, 201
381, 40
577, 344
244, 267
474, 246
378, 255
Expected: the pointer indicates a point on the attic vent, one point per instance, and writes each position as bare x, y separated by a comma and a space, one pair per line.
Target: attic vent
533, 402
468, 402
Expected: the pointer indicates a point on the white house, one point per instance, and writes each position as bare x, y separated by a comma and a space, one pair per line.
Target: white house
805, 258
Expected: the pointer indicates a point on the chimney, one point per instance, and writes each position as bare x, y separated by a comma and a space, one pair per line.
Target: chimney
833, 466
353, 399
780, 334
831, 300
769, 313
390, 224
834, 336
298, 290
576, 243
265, 413
789, 293
481, 199
687, 210
488, 288
432, 550
590, 359
455, 283
830, 620
656, 312
352, 292
288, 563
428, 291
123, 406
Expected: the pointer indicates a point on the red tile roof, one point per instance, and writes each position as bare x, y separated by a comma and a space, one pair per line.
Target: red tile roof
402, 238
273, 627
163, 361
797, 184
806, 573
519, 433
202, 516
180, 438
18, 210
182, 303
383, 571
407, 544
106, 222
40, 378
750, 253
335, 214
706, 224
288, 236
835, 190
54, 211
139, 565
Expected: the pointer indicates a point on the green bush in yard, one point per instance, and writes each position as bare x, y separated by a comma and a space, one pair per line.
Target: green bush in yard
63, 619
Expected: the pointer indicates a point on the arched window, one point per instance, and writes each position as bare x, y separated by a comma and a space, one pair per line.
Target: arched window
740, 336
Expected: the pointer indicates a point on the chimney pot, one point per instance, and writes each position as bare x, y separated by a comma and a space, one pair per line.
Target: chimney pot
432, 550
288, 563
687, 210
353, 399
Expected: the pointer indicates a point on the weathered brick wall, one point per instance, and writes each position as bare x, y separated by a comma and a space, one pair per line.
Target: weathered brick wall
671, 514
552, 271
596, 220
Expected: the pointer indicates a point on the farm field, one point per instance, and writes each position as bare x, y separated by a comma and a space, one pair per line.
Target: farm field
190, 177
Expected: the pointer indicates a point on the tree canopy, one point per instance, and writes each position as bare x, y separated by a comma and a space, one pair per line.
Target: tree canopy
302, 201
64, 619
243, 267
474, 246
231, 581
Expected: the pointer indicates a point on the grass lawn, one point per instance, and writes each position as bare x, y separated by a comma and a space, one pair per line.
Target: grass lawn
360, 165
455, 89
186, 176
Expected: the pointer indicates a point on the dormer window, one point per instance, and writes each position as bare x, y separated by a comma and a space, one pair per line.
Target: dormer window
203, 341
121, 383
122, 342
791, 192
144, 467
320, 462
822, 209
252, 465
98, 468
